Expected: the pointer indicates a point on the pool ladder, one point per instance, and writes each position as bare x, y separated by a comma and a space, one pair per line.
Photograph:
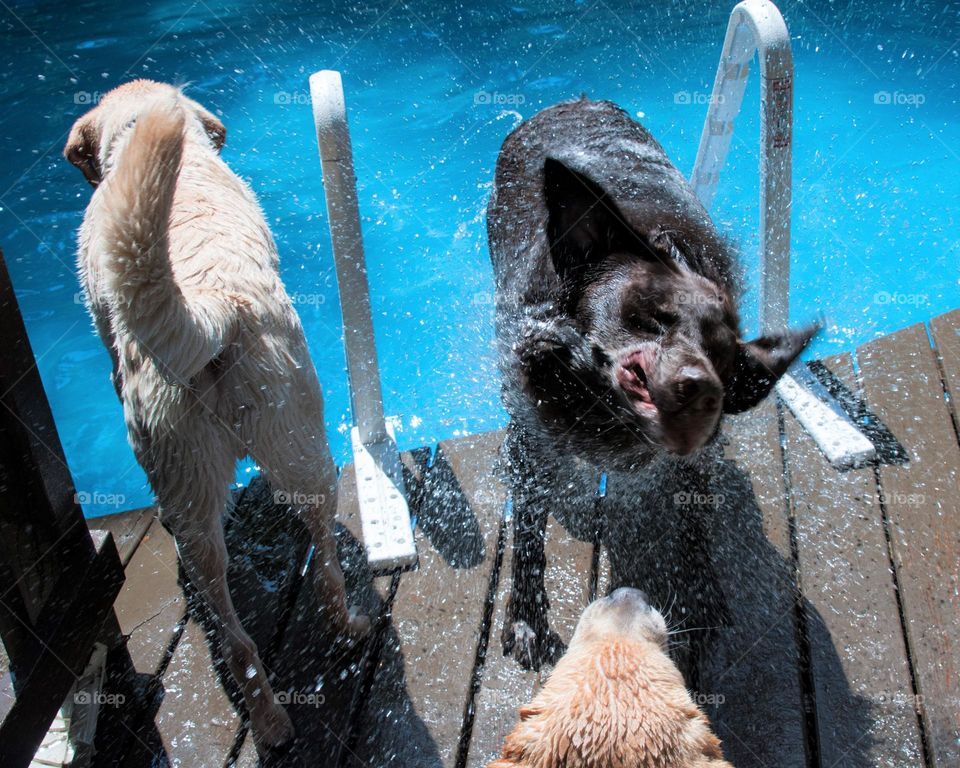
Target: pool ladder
756, 26
381, 491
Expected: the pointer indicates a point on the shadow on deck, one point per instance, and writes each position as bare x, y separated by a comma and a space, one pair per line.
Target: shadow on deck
819, 609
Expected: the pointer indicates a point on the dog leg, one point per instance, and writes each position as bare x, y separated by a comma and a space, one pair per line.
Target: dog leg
526, 633
328, 581
203, 554
303, 471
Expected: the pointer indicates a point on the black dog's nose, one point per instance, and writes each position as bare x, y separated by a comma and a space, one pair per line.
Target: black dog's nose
695, 389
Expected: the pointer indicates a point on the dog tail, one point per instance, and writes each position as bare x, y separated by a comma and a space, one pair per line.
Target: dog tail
176, 328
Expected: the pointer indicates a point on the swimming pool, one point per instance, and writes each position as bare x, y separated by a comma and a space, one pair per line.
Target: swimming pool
432, 89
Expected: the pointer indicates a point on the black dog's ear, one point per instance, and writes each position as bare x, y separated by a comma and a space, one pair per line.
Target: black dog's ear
584, 224
760, 363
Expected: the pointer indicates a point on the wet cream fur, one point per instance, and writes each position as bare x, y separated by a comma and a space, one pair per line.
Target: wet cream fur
180, 274
615, 700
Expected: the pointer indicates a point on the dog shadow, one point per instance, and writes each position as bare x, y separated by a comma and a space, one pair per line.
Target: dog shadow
444, 513
318, 676
695, 542
329, 685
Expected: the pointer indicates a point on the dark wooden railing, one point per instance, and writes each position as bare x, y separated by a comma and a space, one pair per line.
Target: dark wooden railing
57, 585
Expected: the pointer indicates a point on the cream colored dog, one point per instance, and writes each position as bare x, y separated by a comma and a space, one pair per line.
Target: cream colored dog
180, 275
615, 700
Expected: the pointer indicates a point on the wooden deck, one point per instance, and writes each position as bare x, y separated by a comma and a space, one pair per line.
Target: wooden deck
836, 641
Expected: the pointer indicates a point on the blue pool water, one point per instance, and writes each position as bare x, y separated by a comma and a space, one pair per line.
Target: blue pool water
432, 89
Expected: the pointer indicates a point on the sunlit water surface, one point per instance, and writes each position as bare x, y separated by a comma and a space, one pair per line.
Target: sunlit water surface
432, 89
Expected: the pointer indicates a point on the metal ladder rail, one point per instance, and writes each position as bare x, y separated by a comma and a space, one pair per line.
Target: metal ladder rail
381, 492
757, 26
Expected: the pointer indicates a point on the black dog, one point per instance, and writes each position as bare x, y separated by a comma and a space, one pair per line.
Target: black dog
619, 337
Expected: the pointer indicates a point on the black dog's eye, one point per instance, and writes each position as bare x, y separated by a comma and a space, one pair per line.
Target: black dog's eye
665, 319
644, 323
655, 321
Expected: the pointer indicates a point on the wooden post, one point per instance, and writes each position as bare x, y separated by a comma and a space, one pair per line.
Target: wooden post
58, 586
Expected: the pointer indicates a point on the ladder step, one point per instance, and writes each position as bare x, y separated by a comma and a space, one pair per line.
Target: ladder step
384, 508
827, 423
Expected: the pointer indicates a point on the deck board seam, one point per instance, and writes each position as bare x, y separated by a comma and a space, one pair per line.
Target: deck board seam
369, 666
173, 643
482, 648
142, 527
949, 397
273, 647
808, 693
904, 624
925, 746
599, 531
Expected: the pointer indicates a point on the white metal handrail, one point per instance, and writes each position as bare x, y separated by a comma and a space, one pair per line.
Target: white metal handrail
381, 491
756, 26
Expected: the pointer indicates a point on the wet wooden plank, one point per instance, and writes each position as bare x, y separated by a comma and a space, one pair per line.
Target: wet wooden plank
247, 757
344, 659
858, 660
752, 442
310, 666
387, 729
320, 673
946, 337
902, 383
604, 579
751, 665
197, 722
709, 543
506, 685
151, 601
749, 680
267, 544
128, 528
569, 561
438, 609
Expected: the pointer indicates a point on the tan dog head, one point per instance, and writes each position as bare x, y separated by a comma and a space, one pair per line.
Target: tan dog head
615, 700
95, 136
625, 613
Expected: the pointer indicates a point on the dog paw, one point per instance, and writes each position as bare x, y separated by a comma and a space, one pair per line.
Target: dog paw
272, 726
357, 626
519, 640
529, 650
